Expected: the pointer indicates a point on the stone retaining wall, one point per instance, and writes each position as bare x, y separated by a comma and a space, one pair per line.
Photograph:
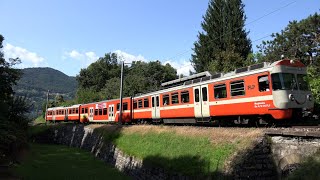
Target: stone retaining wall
259, 162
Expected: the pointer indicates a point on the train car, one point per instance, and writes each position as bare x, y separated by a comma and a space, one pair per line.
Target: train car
56, 114
106, 111
265, 91
72, 113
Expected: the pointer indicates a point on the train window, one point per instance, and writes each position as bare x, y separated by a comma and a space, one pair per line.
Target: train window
196, 95
96, 112
220, 91
146, 102
69, 111
135, 105
118, 106
86, 110
184, 96
125, 106
165, 99
174, 98
152, 101
100, 112
82, 110
140, 103
157, 101
263, 83
204, 94
77, 111
237, 88
303, 82
104, 111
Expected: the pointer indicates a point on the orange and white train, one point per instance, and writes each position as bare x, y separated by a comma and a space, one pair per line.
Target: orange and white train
265, 91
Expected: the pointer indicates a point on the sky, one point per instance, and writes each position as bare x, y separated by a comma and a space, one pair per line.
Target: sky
68, 35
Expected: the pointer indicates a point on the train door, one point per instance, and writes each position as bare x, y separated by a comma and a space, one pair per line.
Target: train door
91, 113
201, 101
111, 112
53, 114
66, 114
155, 107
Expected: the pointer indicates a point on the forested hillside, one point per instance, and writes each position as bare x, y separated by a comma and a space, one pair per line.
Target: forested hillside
35, 82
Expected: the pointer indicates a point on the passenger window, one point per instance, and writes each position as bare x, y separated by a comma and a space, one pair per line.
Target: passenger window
104, 111
118, 106
146, 102
96, 112
86, 110
100, 112
174, 98
220, 91
125, 106
140, 103
263, 83
165, 99
237, 88
184, 96
77, 111
135, 105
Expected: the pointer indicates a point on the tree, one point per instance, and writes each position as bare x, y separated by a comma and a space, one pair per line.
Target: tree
96, 75
140, 77
13, 122
299, 40
8, 78
223, 45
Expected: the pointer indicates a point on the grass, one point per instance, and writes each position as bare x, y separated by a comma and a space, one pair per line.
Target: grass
36, 130
310, 168
39, 120
62, 162
189, 150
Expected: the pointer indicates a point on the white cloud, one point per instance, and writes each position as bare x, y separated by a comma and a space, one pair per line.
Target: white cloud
91, 56
85, 57
128, 58
75, 55
182, 66
28, 58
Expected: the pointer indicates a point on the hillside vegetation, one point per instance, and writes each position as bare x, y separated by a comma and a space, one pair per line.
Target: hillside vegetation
35, 82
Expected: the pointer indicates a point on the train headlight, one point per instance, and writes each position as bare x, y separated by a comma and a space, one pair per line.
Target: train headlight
309, 97
291, 97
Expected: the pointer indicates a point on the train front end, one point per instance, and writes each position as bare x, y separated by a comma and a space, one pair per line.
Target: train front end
292, 97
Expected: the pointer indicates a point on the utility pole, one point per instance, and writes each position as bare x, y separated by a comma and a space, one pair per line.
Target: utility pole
121, 86
45, 114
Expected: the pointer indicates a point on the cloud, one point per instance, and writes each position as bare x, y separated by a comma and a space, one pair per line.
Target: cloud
182, 66
85, 57
28, 58
128, 58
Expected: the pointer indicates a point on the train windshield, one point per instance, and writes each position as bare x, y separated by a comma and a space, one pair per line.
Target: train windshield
303, 83
288, 81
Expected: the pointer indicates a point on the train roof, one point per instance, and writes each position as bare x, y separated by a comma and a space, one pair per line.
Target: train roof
104, 101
